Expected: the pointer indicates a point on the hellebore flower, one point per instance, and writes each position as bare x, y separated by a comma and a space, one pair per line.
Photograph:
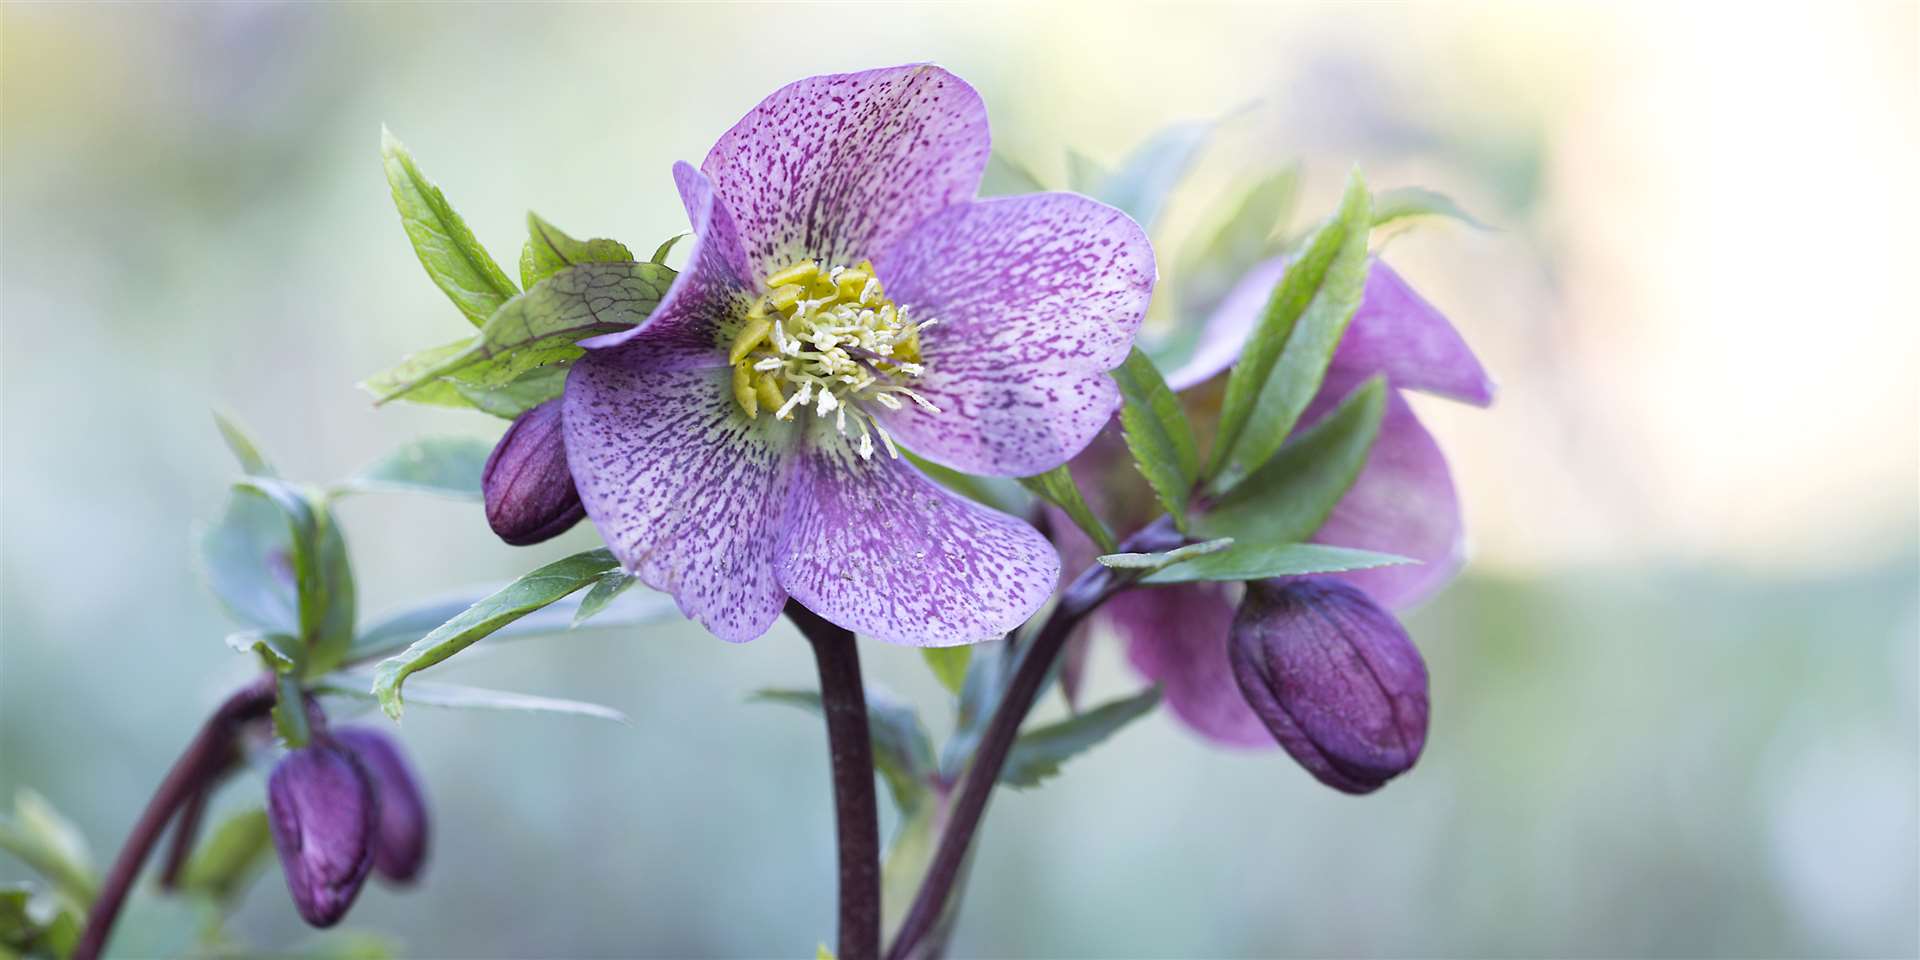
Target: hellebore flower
1402, 502
400, 842
323, 815
529, 492
1334, 679
847, 296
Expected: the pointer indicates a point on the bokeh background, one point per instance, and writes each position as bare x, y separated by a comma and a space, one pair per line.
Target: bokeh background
1675, 692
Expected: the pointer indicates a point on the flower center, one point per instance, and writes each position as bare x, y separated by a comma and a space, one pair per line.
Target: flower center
821, 338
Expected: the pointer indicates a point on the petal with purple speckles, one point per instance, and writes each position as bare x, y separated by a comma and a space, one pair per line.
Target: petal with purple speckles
1403, 502
840, 166
692, 323
684, 488
1034, 299
876, 547
1177, 636
1395, 332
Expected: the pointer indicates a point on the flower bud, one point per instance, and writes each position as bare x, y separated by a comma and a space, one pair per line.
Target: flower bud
400, 843
323, 814
529, 489
1333, 677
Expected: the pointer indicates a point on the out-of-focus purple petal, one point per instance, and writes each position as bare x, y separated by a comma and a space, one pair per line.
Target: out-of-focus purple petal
685, 490
1394, 332
322, 813
1403, 503
528, 489
400, 847
1177, 636
1035, 298
839, 166
875, 546
692, 323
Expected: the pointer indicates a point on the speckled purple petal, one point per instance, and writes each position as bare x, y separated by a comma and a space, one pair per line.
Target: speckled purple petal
1403, 502
1035, 298
839, 166
1394, 332
683, 487
691, 325
1177, 636
876, 547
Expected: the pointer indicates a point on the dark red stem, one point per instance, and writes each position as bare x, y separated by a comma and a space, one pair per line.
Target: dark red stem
857, 817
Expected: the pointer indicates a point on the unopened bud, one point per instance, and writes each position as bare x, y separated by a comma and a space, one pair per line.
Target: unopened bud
529, 489
323, 816
1333, 677
400, 844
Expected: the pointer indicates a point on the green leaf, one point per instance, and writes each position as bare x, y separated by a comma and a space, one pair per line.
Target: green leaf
228, 860
1404, 203
1007, 177
400, 630
244, 450
902, 751
1285, 358
1056, 486
610, 585
538, 328
1255, 561
949, 665
290, 711
456, 696
515, 600
1158, 435
999, 493
1288, 499
445, 466
33, 926
322, 573
666, 247
280, 652
412, 378
1240, 237
246, 559
454, 259
1149, 562
525, 392
1146, 178
1039, 753
549, 250
47, 842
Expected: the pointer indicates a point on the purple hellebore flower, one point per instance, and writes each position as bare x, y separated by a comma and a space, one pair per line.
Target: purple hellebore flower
846, 295
1333, 677
1403, 501
400, 843
323, 815
529, 492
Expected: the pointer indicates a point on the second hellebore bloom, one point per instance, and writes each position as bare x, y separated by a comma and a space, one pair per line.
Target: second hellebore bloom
846, 296
400, 839
529, 494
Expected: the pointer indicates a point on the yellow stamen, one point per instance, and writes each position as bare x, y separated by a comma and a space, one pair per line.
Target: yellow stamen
743, 391
798, 273
748, 338
769, 392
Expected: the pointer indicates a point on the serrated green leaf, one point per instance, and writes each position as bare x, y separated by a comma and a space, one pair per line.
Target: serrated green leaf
1288, 498
402, 629
515, 600
244, 450
902, 751
1158, 434
1056, 486
1038, 753
525, 392
443, 466
280, 652
459, 266
1006, 177
610, 585
47, 842
1253, 561
1149, 562
548, 250
455, 696
1405, 203
412, 378
538, 328
231, 856
1286, 357
949, 665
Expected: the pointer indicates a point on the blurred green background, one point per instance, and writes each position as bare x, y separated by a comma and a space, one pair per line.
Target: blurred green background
1675, 692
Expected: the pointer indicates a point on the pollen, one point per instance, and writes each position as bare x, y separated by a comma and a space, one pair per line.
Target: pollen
826, 342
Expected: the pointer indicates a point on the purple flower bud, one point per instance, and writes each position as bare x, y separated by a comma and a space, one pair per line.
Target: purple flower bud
529, 490
323, 814
1333, 677
400, 844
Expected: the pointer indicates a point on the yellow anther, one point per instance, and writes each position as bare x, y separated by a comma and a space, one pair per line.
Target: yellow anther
743, 391
798, 273
768, 391
785, 296
749, 337
852, 282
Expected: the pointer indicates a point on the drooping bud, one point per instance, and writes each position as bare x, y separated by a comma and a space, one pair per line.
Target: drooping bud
400, 843
1333, 677
323, 815
529, 489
